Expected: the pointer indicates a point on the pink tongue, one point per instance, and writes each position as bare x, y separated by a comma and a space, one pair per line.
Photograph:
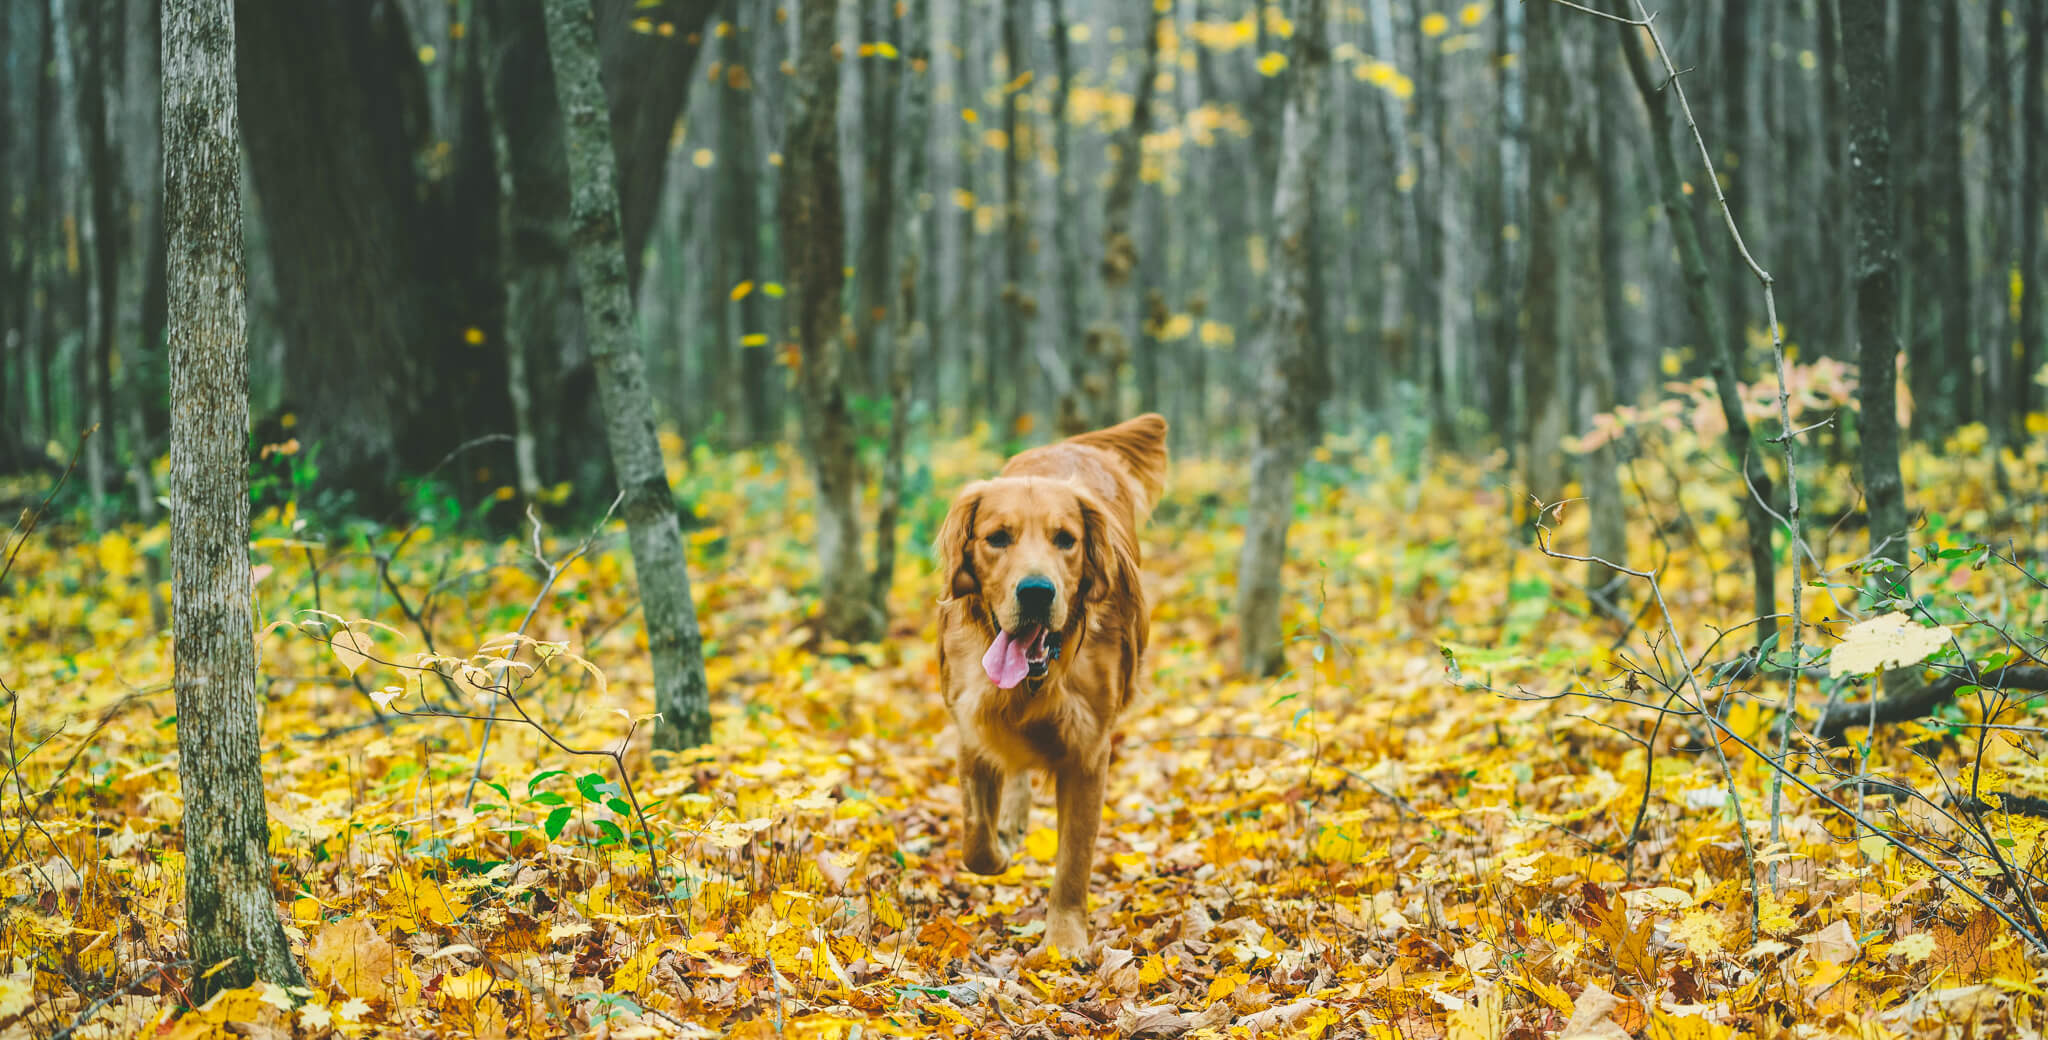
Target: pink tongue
1005, 662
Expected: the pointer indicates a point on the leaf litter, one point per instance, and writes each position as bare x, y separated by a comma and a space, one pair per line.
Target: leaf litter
1361, 847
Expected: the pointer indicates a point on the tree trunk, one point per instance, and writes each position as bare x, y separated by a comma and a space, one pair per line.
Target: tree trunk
1876, 259
650, 509
2033, 280
740, 166
1507, 253
916, 54
1909, 78
1725, 350
1947, 377
1097, 362
1007, 368
879, 75
1996, 342
1556, 153
1293, 372
814, 238
1066, 253
78, 80
383, 240
1607, 519
230, 909
524, 314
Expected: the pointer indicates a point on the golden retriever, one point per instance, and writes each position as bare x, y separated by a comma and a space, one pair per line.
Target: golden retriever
1042, 642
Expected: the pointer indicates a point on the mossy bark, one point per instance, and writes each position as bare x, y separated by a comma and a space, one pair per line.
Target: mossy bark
599, 254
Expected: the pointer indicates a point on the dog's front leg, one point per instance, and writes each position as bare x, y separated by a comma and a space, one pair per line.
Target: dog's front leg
1015, 815
1080, 809
981, 788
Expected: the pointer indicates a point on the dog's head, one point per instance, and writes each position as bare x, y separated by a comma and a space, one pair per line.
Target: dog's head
1036, 554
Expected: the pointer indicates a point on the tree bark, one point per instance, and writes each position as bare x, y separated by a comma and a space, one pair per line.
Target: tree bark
1946, 378
382, 227
1557, 153
1095, 371
1996, 343
1508, 253
1019, 304
740, 164
1293, 372
673, 642
2033, 266
1725, 350
230, 909
879, 76
916, 55
1876, 259
814, 237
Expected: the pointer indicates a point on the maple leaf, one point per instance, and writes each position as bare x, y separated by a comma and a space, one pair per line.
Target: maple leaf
351, 954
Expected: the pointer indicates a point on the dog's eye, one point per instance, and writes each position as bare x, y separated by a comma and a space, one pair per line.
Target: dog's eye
1064, 540
999, 540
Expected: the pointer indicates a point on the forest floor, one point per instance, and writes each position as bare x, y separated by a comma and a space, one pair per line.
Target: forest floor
1363, 847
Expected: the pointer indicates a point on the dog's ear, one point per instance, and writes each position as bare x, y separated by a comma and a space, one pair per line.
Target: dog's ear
1110, 554
955, 545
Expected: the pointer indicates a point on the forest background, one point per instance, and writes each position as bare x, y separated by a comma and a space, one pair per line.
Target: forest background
1446, 305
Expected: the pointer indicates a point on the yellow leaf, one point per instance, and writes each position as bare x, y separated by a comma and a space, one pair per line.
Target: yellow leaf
469, 985
417, 901
886, 911
702, 158
15, 993
1915, 948
772, 289
754, 339
1272, 63
1472, 14
740, 291
117, 554
350, 649
351, 954
1042, 844
1435, 24
1890, 641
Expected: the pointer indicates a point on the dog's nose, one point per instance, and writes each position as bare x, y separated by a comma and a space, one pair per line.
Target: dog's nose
1034, 597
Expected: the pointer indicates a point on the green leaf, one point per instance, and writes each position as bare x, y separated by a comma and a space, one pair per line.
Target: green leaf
620, 806
556, 821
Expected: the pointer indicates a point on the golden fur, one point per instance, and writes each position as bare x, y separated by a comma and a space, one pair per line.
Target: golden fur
1068, 512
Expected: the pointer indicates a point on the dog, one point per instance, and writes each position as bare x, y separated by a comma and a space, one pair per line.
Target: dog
1042, 634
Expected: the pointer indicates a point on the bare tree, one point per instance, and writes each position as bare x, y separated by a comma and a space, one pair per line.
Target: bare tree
1876, 259
231, 912
814, 234
1292, 376
648, 504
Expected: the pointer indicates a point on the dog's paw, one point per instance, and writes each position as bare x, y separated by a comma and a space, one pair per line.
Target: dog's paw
988, 860
1066, 932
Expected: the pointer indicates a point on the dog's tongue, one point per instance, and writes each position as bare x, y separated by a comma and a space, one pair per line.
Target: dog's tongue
1005, 662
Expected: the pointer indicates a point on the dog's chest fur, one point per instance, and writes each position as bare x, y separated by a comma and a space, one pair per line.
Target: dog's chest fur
1042, 722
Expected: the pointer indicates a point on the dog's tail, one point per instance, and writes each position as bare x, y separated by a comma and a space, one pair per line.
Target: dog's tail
1141, 444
